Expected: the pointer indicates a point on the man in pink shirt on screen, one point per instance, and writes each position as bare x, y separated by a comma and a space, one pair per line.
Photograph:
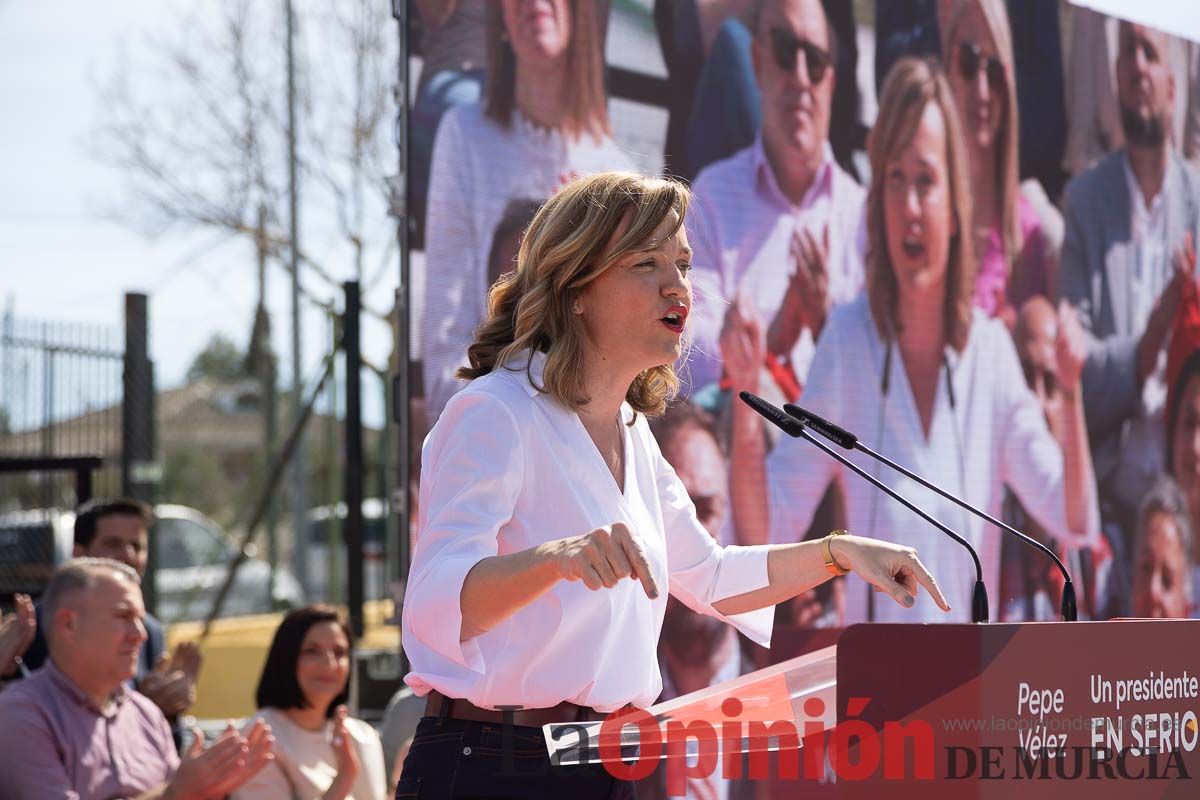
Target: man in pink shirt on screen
779, 224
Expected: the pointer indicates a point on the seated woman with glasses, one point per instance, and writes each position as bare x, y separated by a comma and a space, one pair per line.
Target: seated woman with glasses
1016, 259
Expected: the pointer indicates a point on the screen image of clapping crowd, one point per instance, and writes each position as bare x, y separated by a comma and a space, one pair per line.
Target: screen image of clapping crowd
823, 144
964, 230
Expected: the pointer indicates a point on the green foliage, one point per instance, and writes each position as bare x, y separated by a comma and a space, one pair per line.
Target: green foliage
193, 476
220, 359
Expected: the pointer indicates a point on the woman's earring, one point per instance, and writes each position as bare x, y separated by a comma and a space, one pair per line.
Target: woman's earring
575, 309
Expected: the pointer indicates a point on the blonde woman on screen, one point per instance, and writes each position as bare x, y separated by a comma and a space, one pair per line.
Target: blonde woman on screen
1015, 257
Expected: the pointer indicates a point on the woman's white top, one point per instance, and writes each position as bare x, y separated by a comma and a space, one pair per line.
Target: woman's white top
995, 435
478, 168
507, 468
305, 765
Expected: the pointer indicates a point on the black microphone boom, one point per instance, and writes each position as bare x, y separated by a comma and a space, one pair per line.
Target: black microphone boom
838, 435
843, 438
796, 429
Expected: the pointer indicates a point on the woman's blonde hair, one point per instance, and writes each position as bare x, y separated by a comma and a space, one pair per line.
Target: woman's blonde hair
912, 85
585, 98
571, 241
1007, 165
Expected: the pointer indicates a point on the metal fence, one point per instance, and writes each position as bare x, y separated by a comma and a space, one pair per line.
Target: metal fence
60, 395
60, 399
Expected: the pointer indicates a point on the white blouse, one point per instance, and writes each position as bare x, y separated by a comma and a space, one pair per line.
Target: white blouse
507, 468
478, 168
305, 764
995, 435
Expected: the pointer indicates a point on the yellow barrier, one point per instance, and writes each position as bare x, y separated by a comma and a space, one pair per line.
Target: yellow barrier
236, 650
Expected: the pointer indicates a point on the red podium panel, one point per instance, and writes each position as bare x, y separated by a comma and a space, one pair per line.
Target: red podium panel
979, 711
1033, 710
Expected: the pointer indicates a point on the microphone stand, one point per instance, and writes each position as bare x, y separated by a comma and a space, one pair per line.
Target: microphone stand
797, 429
1069, 610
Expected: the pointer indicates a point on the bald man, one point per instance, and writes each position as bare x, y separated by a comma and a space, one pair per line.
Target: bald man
1125, 264
75, 730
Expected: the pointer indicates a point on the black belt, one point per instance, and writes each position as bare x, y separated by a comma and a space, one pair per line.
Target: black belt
438, 705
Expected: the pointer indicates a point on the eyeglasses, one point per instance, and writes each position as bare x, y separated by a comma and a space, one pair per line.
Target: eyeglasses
971, 60
785, 47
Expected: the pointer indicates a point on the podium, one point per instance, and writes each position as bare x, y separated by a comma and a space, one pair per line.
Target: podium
1035, 710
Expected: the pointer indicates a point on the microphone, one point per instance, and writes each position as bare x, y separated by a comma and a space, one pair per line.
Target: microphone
796, 429
839, 436
843, 438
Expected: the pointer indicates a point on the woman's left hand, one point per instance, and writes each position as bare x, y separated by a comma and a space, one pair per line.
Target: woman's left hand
889, 567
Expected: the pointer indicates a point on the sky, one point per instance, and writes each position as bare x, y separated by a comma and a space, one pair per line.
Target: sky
64, 257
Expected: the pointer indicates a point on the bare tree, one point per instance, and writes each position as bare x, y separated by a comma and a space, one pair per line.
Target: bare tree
198, 126
199, 131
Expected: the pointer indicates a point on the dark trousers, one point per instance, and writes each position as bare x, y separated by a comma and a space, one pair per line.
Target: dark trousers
453, 759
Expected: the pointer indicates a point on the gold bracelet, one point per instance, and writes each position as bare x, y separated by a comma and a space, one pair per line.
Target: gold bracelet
831, 563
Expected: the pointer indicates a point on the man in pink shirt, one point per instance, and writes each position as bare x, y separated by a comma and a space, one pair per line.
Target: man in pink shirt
74, 730
778, 228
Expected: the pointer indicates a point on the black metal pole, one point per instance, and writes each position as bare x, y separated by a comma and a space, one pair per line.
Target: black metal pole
401, 387
354, 471
139, 469
83, 485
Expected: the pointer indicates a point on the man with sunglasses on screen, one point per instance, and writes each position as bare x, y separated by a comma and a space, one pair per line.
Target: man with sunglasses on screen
1128, 255
779, 225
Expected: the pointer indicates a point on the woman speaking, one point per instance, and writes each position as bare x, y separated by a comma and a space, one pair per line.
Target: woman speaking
551, 528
